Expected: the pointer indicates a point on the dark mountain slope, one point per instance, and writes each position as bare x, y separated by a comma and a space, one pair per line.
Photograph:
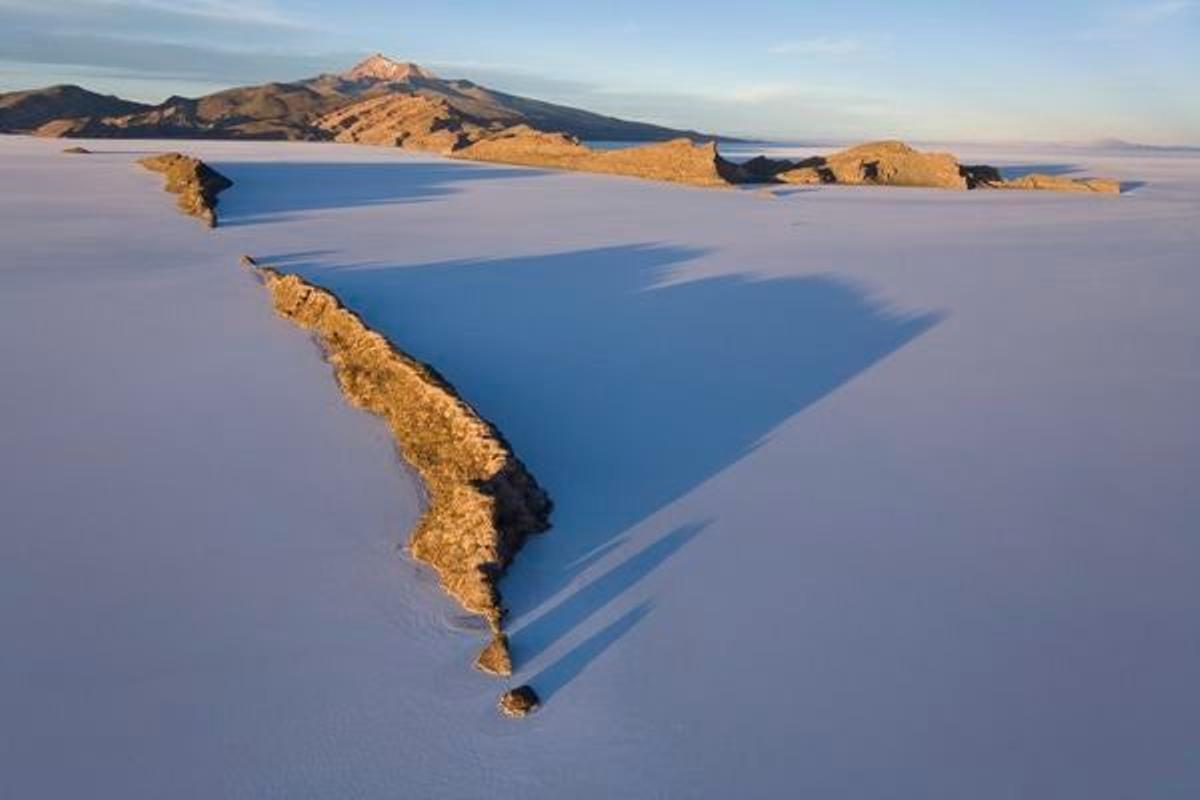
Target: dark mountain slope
28, 110
290, 110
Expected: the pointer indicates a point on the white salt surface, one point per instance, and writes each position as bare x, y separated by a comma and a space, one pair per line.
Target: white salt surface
861, 493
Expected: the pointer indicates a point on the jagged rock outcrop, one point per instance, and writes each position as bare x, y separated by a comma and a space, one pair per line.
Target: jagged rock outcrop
880, 163
482, 501
519, 702
196, 183
403, 120
496, 658
892, 163
678, 161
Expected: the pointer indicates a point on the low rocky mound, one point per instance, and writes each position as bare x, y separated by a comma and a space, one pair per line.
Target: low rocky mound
403, 120
678, 161
880, 163
892, 163
78, 151
196, 183
1058, 183
495, 659
482, 500
519, 702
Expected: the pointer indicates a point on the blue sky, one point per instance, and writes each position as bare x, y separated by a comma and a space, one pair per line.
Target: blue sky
1013, 70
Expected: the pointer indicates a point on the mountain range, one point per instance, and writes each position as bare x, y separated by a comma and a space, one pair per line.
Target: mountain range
301, 110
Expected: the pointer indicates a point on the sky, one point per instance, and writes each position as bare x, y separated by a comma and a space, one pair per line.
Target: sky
981, 71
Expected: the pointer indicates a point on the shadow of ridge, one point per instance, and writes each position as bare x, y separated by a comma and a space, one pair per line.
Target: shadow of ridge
621, 382
272, 191
1021, 170
536, 636
1131, 186
553, 678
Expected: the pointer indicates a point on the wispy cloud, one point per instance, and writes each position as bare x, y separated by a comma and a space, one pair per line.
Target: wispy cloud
242, 11
259, 13
1130, 21
821, 46
1151, 13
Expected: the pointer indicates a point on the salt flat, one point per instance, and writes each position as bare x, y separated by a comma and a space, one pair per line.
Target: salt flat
860, 492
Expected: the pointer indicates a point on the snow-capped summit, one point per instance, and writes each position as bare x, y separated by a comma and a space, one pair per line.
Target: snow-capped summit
380, 67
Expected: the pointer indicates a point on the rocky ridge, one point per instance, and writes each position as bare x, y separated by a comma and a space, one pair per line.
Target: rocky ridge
196, 183
677, 161
410, 121
482, 501
893, 163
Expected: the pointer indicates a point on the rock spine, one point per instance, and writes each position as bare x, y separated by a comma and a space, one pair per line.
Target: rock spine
482, 501
196, 183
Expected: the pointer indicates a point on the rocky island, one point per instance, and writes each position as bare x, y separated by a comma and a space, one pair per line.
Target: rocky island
482, 501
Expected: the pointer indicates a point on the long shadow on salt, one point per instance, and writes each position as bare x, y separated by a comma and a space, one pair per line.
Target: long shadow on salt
274, 191
623, 384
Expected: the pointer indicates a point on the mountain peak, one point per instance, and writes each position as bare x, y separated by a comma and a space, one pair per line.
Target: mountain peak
380, 67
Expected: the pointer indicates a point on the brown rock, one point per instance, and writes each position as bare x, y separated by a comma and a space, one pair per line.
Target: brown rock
519, 702
678, 161
77, 151
196, 183
893, 163
887, 163
1059, 183
495, 659
403, 120
761, 169
978, 175
482, 502
808, 171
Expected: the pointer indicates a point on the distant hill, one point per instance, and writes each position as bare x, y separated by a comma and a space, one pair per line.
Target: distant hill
1121, 144
31, 109
291, 110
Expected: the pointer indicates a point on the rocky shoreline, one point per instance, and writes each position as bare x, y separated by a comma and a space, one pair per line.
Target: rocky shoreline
483, 502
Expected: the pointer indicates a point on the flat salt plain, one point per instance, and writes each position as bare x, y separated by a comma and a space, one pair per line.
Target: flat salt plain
862, 493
